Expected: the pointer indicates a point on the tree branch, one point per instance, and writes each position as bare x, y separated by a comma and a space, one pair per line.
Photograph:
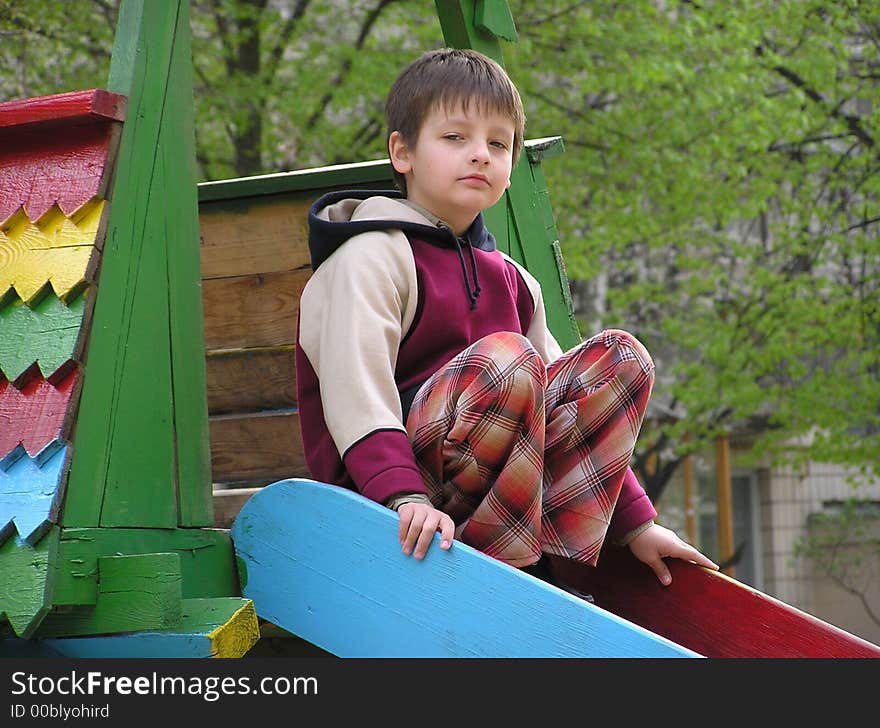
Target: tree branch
853, 123
277, 53
367, 26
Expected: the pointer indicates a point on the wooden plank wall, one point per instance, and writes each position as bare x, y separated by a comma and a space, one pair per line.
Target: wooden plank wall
255, 263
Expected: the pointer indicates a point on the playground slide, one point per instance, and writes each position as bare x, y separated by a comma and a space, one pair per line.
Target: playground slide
324, 564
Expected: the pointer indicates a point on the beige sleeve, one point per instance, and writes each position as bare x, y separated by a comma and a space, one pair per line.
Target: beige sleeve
540, 336
353, 314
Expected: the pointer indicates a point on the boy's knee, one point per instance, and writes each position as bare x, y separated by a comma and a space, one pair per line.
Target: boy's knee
507, 348
629, 344
513, 358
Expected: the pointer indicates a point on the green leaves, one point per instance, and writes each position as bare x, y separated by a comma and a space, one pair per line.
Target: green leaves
718, 158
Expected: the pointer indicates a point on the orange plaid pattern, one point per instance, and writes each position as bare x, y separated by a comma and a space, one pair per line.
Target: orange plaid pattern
527, 458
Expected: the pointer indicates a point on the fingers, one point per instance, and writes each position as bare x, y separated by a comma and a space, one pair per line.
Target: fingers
417, 526
688, 553
405, 519
684, 551
702, 560
662, 571
447, 532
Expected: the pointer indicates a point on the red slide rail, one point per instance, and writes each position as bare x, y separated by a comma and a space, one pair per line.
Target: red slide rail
707, 611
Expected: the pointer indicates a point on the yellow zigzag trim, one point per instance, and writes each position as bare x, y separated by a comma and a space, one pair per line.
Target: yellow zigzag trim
56, 249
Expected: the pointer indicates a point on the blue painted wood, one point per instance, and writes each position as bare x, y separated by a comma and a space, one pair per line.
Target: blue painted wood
141, 644
28, 488
325, 564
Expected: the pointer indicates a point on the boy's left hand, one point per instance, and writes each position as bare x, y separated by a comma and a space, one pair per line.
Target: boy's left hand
652, 545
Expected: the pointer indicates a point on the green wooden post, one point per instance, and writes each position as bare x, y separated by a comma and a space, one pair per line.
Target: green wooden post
141, 456
522, 221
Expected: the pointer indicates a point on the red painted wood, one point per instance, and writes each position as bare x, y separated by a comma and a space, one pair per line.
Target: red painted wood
68, 108
35, 415
39, 170
708, 612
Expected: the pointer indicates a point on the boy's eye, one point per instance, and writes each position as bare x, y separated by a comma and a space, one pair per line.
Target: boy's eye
499, 144
453, 137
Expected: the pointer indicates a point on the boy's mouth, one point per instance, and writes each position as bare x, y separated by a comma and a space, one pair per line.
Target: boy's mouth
478, 179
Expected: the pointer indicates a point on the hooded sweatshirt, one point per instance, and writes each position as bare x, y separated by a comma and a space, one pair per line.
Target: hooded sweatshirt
395, 295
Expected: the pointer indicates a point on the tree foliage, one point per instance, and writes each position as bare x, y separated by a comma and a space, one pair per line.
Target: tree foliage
718, 195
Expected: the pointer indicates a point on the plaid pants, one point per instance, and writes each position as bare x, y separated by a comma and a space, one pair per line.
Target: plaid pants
525, 457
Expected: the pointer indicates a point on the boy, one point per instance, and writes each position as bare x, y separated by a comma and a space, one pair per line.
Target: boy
426, 375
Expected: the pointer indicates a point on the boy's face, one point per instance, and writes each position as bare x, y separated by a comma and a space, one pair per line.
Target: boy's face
460, 164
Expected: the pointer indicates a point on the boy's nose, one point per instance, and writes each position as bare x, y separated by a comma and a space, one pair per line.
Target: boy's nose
480, 152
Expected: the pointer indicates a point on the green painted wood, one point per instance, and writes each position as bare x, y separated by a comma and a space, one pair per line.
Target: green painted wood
343, 176
136, 593
207, 564
529, 208
545, 148
375, 174
124, 470
27, 582
522, 221
223, 627
460, 31
494, 17
45, 333
178, 175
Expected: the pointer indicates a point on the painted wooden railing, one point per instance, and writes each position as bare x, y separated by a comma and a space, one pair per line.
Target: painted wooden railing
708, 611
324, 563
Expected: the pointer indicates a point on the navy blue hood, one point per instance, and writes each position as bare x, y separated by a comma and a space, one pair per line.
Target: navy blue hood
325, 236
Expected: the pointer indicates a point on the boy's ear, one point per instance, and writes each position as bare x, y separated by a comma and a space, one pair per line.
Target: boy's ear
398, 153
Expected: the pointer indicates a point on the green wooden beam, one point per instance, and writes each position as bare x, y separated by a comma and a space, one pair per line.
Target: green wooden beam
206, 561
136, 593
374, 174
460, 29
141, 454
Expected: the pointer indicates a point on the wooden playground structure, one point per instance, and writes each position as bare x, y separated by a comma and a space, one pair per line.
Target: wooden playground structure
147, 326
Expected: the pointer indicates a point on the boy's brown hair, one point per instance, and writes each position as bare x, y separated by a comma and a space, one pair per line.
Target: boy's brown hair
448, 78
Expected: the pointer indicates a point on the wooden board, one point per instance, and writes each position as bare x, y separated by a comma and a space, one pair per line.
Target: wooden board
707, 611
129, 452
222, 628
47, 334
256, 446
136, 592
252, 310
248, 380
324, 563
206, 559
28, 490
178, 209
26, 588
38, 171
254, 235
228, 504
59, 250
35, 415
73, 107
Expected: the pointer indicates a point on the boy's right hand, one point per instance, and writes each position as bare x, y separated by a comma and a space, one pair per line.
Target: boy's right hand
418, 524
